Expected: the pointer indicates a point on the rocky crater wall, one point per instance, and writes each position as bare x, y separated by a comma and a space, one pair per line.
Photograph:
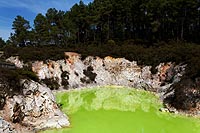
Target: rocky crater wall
72, 72
37, 104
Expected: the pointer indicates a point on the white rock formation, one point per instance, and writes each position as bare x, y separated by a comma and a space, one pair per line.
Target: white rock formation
15, 60
108, 71
35, 108
5, 127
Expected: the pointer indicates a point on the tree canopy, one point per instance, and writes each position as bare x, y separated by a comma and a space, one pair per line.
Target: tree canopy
2, 42
20, 27
101, 20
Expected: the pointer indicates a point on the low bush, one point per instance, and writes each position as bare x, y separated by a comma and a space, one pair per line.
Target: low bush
51, 83
187, 94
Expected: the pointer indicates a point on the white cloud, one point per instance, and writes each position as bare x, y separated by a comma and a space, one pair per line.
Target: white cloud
40, 6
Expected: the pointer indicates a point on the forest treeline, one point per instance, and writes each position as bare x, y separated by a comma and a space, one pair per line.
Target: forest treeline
119, 20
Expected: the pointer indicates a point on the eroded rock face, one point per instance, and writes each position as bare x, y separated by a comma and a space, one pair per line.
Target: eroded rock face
72, 72
5, 127
35, 108
15, 60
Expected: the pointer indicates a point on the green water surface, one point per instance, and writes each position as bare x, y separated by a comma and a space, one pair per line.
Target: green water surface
114, 109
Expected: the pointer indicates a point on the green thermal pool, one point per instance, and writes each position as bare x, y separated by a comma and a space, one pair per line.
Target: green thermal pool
114, 109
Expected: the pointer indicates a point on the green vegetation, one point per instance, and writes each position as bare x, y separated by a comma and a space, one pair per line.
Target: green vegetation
115, 109
2, 42
34, 53
178, 52
99, 21
51, 83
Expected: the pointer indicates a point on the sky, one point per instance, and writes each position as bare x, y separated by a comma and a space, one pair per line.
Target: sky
28, 9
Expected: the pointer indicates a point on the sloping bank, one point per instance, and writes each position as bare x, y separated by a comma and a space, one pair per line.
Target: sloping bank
31, 109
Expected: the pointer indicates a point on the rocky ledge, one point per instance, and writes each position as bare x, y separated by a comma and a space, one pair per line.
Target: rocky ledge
35, 109
5, 127
72, 72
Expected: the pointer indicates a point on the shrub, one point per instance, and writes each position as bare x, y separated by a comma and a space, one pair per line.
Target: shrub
10, 82
187, 94
111, 42
27, 74
51, 83
65, 78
